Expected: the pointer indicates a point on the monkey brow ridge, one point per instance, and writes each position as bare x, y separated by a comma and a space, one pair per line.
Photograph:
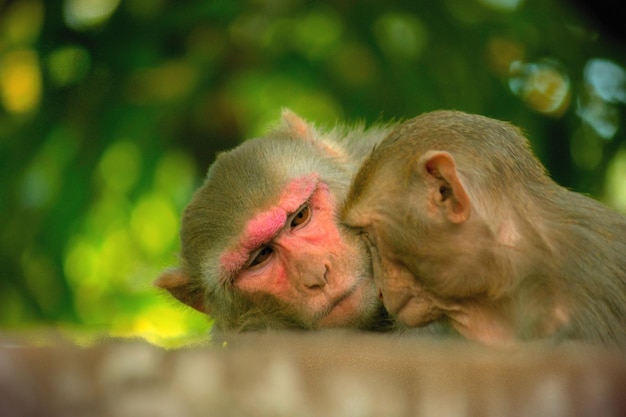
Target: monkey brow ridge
265, 225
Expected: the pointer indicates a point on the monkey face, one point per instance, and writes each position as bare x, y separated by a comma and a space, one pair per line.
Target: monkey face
402, 294
260, 241
376, 220
296, 252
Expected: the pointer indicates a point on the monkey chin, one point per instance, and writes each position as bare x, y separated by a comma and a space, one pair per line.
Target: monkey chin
356, 308
417, 311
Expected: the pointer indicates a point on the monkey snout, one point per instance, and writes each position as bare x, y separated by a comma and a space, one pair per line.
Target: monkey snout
380, 295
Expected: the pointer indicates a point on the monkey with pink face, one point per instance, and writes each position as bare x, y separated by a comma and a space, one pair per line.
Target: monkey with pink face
261, 243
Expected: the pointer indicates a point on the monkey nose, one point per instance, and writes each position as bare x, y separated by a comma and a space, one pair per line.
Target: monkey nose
314, 280
380, 295
313, 283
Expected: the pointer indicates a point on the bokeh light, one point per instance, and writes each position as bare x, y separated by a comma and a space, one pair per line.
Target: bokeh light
68, 65
502, 5
21, 22
607, 79
20, 81
401, 35
615, 186
543, 85
605, 86
85, 14
120, 166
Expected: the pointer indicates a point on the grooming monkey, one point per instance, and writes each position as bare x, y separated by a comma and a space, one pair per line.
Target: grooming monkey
261, 243
465, 226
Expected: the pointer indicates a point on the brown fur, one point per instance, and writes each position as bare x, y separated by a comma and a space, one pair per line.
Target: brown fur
244, 181
458, 208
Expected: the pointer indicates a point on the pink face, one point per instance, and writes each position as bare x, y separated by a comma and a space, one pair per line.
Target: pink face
295, 251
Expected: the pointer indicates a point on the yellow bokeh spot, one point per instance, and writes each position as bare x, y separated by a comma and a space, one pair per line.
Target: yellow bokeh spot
615, 186
154, 224
118, 257
165, 325
82, 268
20, 81
120, 166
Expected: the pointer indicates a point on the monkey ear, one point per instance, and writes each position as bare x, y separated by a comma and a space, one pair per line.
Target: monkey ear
300, 128
296, 124
177, 283
446, 193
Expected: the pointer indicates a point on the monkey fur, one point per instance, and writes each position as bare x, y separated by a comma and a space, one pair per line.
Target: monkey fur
465, 226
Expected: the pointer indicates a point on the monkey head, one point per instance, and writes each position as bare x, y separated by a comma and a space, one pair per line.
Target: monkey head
431, 201
261, 244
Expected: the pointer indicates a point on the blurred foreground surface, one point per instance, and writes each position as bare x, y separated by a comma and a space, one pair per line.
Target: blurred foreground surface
308, 374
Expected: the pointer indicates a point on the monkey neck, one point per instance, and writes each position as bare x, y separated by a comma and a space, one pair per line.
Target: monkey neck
481, 321
522, 233
524, 300
517, 229
555, 241
518, 243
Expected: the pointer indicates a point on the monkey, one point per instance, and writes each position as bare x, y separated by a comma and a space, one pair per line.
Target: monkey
466, 227
261, 244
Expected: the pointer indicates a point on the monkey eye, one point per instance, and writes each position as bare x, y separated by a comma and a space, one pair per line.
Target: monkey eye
302, 216
367, 237
261, 256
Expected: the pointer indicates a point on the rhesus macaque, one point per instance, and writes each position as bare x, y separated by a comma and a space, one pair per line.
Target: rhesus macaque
465, 226
261, 243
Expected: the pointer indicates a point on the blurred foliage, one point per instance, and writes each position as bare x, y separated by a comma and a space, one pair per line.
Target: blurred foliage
111, 112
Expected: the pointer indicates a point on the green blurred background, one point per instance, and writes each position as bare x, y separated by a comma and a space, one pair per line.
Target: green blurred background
112, 110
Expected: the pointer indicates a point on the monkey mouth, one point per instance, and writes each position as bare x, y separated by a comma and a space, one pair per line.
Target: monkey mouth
341, 298
335, 304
